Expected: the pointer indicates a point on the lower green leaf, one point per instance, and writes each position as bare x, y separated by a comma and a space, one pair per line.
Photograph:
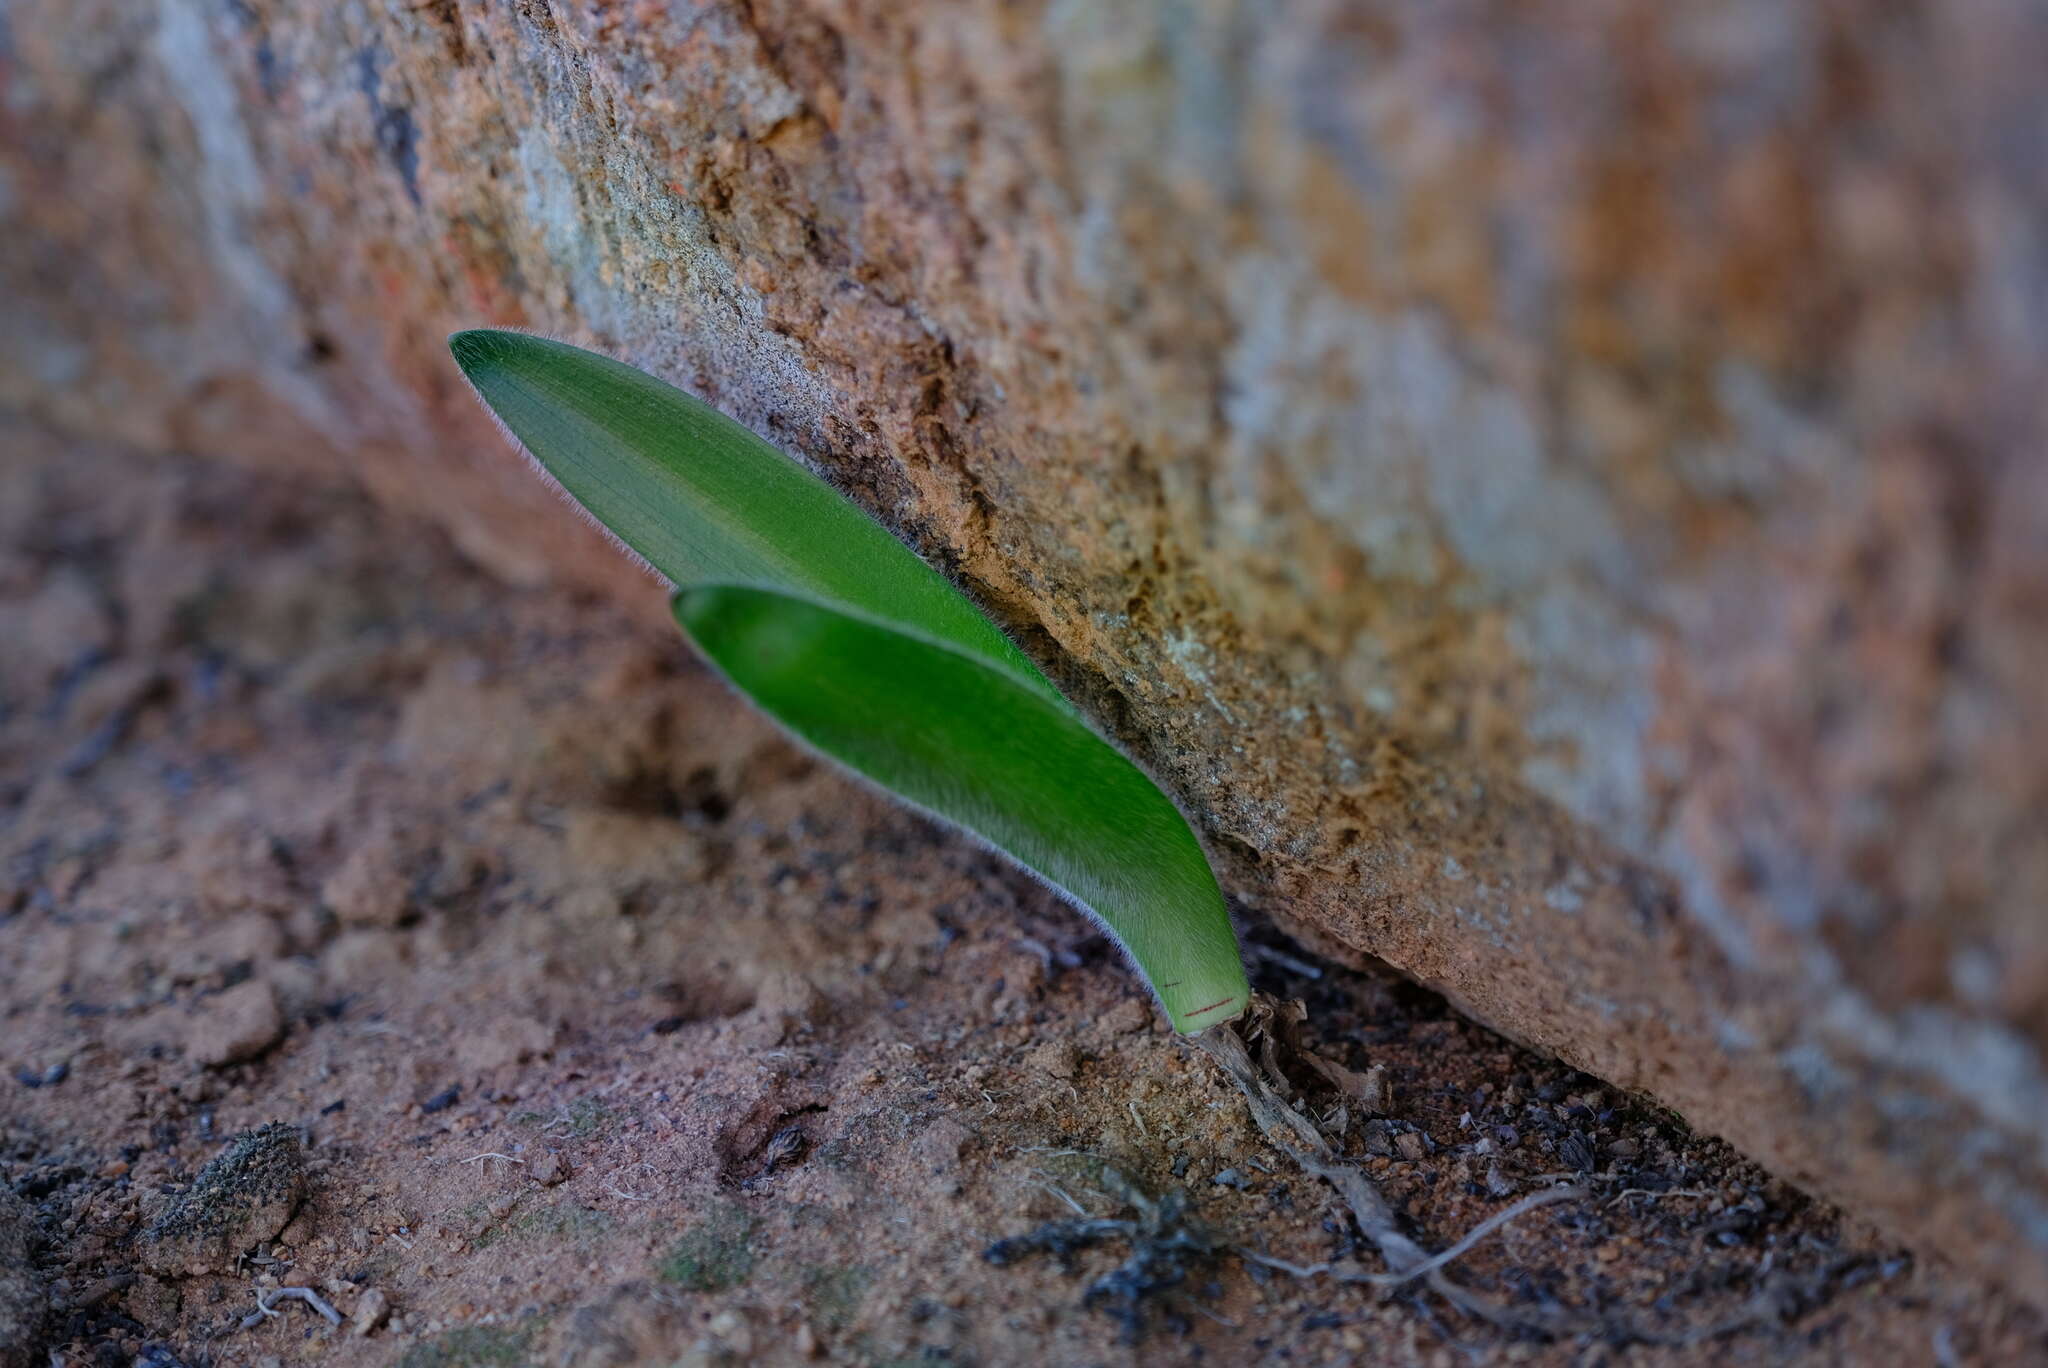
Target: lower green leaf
943, 730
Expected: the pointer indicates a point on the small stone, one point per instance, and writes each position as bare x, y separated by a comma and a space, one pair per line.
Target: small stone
1408, 1144
153, 1303
730, 1328
244, 1196
548, 1169
299, 1231
503, 1040
98, 1290
1054, 1057
805, 1341
65, 624
235, 1025
1127, 1016
373, 1308
370, 888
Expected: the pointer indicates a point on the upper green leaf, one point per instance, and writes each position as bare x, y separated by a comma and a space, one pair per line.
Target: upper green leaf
843, 636
704, 500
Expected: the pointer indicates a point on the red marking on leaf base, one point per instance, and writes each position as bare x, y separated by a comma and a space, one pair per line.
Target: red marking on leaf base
1204, 1011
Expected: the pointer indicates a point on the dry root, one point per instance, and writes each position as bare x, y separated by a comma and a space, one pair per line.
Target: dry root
1301, 1140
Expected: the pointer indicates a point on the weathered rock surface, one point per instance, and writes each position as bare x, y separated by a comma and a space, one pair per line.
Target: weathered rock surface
1556, 489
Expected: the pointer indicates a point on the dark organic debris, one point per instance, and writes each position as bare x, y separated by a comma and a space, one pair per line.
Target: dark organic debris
1264, 1087
1166, 1243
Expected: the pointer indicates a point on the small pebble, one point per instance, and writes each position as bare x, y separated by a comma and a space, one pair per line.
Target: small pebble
233, 1025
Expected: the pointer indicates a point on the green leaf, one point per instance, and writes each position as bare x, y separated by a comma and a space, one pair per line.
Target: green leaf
839, 633
944, 731
705, 501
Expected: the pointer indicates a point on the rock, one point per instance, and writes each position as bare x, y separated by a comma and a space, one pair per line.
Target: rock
358, 954
1369, 1089
786, 1005
24, 1304
548, 1168
154, 1304
1127, 1016
510, 1038
245, 1195
373, 1308
1591, 563
1055, 1058
65, 626
633, 849
369, 888
236, 1024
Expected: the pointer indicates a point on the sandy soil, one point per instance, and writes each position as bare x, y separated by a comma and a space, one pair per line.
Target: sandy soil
592, 1024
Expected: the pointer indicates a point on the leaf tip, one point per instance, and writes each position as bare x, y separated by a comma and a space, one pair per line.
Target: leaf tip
472, 348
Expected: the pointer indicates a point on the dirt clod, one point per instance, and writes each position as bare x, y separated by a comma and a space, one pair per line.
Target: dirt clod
373, 1308
370, 888
237, 1024
245, 1195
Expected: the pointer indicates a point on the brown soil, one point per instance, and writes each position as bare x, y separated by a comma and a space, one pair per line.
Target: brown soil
605, 1028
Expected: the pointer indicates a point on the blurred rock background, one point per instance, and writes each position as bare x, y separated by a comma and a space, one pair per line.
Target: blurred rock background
1556, 489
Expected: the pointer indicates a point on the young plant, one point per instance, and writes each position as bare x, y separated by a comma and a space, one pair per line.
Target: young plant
862, 651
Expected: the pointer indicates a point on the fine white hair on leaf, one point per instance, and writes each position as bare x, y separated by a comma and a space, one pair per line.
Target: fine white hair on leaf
547, 477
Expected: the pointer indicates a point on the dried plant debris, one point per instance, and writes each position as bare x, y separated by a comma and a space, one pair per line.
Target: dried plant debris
1166, 1244
244, 1196
1279, 1032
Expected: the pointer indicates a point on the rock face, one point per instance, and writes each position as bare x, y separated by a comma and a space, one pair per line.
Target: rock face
1556, 489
